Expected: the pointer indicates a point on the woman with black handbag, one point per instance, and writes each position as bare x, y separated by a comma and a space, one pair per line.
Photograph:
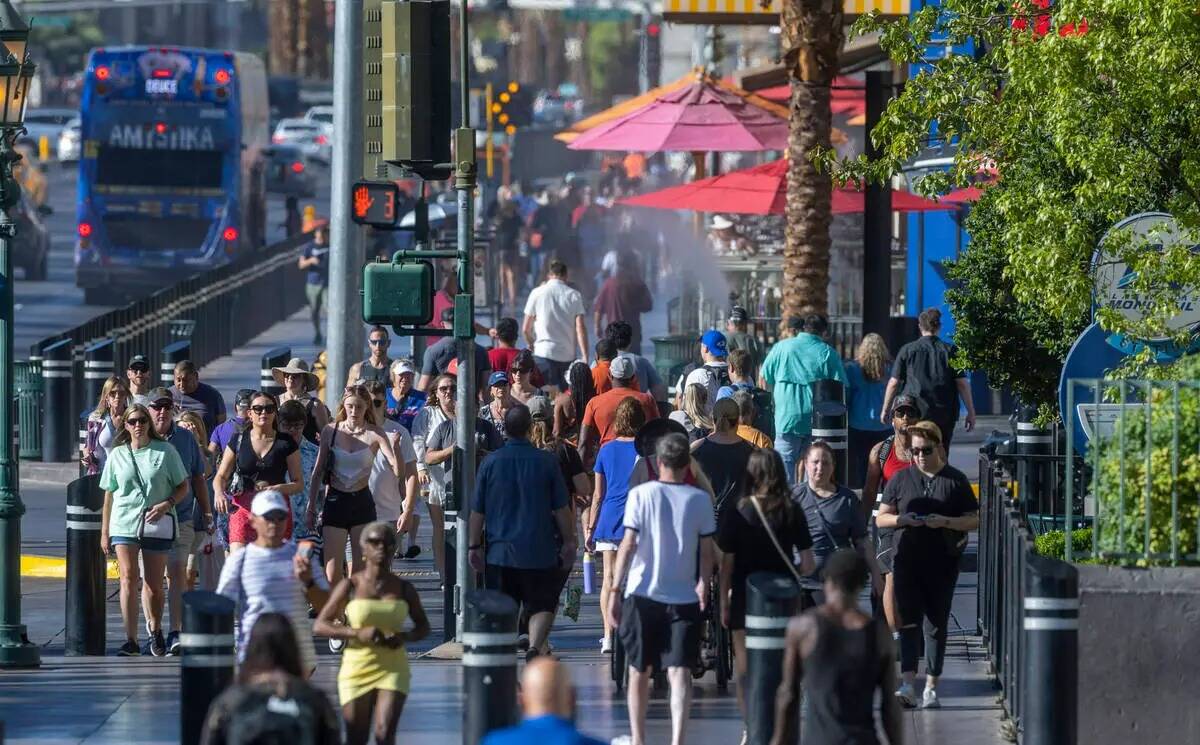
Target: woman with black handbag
143, 480
834, 517
763, 534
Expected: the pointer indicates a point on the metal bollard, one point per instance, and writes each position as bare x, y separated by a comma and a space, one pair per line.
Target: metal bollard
449, 575
277, 357
771, 601
206, 666
489, 664
173, 354
59, 421
97, 367
86, 568
830, 422
1049, 709
1032, 473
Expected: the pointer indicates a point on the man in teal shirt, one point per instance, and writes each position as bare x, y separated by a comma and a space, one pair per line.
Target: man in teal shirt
788, 372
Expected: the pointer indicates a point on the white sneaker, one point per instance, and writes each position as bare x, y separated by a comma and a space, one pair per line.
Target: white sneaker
907, 695
622, 740
337, 645
929, 700
606, 645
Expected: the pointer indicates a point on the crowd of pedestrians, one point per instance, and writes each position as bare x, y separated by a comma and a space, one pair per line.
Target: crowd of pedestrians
579, 449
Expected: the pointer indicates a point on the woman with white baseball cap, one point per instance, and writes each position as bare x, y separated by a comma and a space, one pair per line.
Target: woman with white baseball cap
299, 383
274, 576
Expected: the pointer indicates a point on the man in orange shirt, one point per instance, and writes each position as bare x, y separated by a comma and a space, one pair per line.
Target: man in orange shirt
601, 410
606, 352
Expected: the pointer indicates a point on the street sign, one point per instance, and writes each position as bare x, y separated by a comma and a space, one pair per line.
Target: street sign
758, 12
1100, 420
374, 203
595, 15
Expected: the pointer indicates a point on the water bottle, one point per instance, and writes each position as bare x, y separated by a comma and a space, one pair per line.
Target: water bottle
589, 573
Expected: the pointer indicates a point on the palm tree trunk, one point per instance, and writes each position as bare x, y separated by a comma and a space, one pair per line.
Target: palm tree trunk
812, 38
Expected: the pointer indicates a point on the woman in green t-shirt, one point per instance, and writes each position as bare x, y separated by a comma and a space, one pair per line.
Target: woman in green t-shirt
143, 480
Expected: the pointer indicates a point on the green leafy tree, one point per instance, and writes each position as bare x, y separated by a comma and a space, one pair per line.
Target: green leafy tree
1089, 112
63, 46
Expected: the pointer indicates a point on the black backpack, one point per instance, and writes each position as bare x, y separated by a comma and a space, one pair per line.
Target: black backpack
263, 718
721, 373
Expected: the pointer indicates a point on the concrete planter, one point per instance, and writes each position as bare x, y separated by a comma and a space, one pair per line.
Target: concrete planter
1139, 652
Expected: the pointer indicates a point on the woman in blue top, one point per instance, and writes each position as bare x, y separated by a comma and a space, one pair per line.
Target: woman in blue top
868, 374
614, 466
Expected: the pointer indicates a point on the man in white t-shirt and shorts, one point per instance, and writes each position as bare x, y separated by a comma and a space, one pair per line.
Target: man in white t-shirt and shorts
667, 525
554, 326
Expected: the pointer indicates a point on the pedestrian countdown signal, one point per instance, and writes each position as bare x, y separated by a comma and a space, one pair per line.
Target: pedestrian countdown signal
374, 203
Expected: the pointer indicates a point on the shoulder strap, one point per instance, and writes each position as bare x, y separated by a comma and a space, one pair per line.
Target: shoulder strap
775, 541
885, 449
137, 473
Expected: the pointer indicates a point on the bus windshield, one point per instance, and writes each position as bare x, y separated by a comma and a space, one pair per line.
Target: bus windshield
129, 169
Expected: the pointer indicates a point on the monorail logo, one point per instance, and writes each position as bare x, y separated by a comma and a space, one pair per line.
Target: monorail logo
1114, 279
162, 137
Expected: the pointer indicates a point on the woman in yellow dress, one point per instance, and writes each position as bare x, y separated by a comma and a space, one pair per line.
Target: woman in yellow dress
374, 677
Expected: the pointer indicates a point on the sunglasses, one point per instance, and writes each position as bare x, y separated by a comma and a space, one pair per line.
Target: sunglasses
375, 540
275, 516
377, 342
263, 409
137, 421
446, 388
926, 451
160, 405
904, 414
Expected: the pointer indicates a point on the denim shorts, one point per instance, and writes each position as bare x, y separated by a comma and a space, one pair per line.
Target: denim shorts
149, 545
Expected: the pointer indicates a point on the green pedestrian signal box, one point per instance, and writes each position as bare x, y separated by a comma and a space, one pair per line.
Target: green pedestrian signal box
398, 293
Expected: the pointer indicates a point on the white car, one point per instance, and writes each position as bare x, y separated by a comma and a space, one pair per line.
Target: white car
310, 136
70, 142
322, 114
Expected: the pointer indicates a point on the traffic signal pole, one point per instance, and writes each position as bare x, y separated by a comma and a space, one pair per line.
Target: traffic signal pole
464, 325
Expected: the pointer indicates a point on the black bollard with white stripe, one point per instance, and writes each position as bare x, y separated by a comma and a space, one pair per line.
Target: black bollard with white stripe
489, 664
1050, 695
173, 354
771, 601
207, 658
97, 368
277, 357
830, 422
60, 424
1033, 473
86, 568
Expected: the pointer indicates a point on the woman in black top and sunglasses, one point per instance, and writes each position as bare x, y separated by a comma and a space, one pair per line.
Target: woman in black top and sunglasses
260, 457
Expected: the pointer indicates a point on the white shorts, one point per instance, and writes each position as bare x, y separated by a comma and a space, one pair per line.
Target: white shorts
602, 546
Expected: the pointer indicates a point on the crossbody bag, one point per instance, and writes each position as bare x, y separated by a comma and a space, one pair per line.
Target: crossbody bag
775, 541
162, 529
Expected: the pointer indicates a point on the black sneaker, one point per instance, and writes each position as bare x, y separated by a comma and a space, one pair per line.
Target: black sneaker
413, 552
129, 649
158, 645
173, 644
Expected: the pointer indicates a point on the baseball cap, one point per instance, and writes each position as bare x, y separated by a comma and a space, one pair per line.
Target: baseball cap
738, 314
138, 360
159, 394
621, 369
540, 408
498, 378
402, 366
907, 401
266, 501
715, 341
243, 398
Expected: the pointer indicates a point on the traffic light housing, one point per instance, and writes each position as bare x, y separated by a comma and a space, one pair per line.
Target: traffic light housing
398, 293
511, 108
415, 82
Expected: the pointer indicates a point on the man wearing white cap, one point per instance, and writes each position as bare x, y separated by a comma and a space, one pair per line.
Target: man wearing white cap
724, 239
271, 576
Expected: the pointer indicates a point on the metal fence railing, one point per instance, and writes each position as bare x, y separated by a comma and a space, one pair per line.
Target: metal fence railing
1141, 443
214, 312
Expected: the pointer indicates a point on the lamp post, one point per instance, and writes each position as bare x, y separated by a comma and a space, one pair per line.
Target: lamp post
15, 73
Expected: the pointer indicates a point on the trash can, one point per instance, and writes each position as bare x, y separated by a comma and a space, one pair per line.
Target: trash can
673, 353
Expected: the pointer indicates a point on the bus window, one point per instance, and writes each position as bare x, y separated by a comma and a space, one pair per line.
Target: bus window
159, 169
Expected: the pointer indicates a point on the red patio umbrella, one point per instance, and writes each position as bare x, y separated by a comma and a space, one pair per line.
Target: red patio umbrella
962, 196
762, 190
702, 117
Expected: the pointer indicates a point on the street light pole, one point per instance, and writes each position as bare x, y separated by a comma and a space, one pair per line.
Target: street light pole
15, 74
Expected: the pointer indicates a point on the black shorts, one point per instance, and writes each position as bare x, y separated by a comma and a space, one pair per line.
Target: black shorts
885, 550
659, 635
535, 589
347, 510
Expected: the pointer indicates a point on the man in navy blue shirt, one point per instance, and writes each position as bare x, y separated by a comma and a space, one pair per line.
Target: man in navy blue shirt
548, 703
521, 499
315, 263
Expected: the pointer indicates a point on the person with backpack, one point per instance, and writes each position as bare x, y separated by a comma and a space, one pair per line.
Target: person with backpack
713, 372
271, 701
741, 378
723, 455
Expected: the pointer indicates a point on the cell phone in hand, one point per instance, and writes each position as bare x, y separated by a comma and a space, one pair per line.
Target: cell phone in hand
919, 518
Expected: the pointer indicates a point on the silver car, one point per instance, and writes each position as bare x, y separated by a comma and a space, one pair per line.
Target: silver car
311, 137
70, 142
48, 123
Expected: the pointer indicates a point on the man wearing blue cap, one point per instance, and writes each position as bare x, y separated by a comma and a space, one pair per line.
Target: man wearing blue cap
712, 374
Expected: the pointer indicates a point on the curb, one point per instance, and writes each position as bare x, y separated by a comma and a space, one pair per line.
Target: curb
55, 567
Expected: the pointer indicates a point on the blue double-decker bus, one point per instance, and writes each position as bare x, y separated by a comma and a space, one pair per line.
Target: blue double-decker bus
172, 171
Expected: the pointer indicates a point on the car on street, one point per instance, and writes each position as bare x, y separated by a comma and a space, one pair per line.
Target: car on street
69, 142
31, 245
289, 172
309, 136
558, 107
322, 114
48, 123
